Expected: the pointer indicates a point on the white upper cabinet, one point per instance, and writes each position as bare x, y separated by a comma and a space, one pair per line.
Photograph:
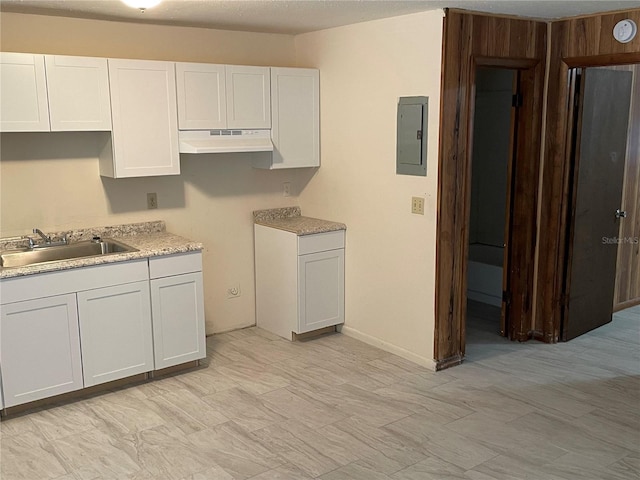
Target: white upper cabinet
248, 97
202, 101
145, 120
295, 114
23, 93
78, 90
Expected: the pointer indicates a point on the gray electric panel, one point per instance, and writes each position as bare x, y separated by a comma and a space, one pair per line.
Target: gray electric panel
411, 158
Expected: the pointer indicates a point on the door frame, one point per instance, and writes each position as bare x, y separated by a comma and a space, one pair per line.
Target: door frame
472, 40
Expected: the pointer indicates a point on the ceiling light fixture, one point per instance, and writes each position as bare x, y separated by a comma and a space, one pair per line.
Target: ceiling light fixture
141, 5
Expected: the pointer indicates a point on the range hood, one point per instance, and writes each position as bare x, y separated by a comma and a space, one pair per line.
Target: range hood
225, 141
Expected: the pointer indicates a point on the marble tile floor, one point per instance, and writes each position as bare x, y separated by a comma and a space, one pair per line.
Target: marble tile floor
334, 408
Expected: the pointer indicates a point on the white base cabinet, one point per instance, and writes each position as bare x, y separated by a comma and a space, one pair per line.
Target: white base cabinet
177, 304
115, 331
39, 349
299, 280
65, 330
320, 290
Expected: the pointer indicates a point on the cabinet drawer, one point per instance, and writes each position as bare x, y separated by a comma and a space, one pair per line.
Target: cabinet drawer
175, 264
320, 242
74, 280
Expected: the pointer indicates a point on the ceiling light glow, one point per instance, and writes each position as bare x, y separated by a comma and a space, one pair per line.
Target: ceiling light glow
141, 4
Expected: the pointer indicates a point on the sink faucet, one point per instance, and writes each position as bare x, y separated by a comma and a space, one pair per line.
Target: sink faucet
47, 240
44, 237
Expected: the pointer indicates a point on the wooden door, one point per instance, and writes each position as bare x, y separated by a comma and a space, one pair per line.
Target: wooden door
599, 158
505, 314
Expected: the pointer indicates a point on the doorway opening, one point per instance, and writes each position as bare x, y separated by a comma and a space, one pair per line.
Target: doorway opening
494, 136
601, 267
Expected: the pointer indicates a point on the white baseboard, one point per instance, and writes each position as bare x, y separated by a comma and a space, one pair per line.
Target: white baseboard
388, 347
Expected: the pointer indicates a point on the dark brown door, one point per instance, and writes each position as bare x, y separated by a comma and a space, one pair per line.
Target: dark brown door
599, 157
506, 329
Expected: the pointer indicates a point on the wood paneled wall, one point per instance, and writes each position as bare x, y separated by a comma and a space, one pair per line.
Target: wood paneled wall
627, 291
471, 40
578, 42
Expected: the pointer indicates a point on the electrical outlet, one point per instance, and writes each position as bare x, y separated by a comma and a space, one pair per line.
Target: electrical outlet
286, 189
152, 200
234, 291
417, 205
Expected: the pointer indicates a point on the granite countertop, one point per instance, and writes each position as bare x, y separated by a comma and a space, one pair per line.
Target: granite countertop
291, 220
149, 238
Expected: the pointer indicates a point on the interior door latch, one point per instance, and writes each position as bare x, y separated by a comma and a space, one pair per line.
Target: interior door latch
621, 214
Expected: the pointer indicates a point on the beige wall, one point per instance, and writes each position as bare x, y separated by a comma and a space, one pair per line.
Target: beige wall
390, 256
75, 36
51, 180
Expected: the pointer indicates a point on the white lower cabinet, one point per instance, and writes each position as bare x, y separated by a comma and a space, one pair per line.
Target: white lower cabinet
65, 330
115, 331
177, 305
320, 290
39, 349
299, 280
178, 319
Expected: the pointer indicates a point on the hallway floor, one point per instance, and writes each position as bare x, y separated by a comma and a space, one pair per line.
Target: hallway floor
337, 409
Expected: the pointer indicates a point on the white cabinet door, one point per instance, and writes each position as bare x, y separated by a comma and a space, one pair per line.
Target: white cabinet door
115, 331
295, 115
177, 305
320, 290
78, 90
248, 97
202, 101
23, 93
39, 349
145, 119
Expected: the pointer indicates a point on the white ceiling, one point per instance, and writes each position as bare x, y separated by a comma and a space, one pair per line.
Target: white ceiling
298, 16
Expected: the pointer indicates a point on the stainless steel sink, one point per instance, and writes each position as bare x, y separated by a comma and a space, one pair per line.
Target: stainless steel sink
43, 254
